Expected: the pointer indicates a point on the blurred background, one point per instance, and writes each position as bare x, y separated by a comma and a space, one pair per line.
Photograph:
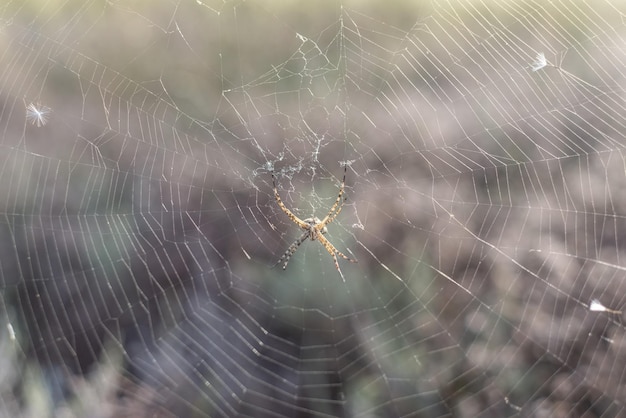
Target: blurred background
484, 201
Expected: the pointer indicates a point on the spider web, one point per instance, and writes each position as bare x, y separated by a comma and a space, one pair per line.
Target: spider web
485, 204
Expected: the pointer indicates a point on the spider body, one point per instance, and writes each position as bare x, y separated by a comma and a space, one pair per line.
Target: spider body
314, 228
313, 232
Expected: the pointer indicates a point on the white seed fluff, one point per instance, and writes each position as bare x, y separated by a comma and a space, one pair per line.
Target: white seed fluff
540, 62
596, 306
37, 114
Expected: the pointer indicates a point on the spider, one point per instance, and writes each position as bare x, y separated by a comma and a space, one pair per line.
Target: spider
314, 228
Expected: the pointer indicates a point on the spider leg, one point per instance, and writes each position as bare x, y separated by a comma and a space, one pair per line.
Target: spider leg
333, 251
290, 214
336, 207
331, 216
291, 250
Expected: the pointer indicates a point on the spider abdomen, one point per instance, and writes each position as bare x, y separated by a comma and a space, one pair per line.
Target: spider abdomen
313, 227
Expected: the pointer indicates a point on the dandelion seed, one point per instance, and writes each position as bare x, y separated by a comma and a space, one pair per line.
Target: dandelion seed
11, 332
539, 62
596, 306
37, 114
608, 340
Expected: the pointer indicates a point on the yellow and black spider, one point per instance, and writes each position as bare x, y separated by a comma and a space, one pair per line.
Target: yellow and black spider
314, 228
